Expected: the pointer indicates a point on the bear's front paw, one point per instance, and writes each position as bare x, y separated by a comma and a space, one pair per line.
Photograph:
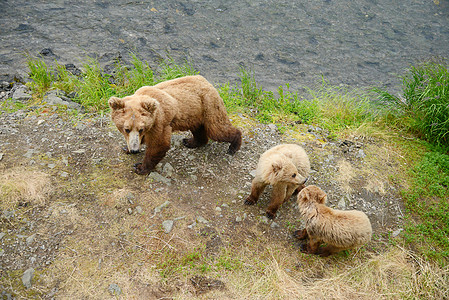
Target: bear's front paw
250, 201
300, 234
271, 215
138, 168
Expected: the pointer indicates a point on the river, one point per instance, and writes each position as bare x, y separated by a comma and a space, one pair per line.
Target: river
355, 43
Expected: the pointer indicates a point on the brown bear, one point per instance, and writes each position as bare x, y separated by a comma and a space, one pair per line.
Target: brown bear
339, 229
286, 167
152, 113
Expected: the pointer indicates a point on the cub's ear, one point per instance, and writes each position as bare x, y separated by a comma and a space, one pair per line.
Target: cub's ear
277, 166
149, 104
322, 198
116, 103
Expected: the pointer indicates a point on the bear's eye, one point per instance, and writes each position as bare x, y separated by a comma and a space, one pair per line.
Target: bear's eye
140, 131
127, 130
294, 175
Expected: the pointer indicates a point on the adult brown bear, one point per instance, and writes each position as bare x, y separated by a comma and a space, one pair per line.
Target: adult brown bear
151, 114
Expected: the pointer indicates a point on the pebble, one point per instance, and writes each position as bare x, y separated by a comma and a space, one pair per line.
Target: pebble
202, 220
167, 225
154, 176
396, 232
264, 219
168, 170
30, 239
238, 219
114, 289
2, 234
27, 277
274, 225
139, 210
218, 208
160, 207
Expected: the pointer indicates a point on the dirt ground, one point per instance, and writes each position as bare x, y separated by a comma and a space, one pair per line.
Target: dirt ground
73, 196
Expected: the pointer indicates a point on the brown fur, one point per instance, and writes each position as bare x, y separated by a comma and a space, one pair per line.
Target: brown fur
339, 229
286, 168
152, 113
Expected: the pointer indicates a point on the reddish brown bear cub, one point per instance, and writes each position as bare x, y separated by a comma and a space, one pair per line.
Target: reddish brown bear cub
152, 113
339, 229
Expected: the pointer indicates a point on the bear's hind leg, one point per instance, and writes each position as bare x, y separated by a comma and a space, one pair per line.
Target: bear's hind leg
228, 134
328, 250
199, 138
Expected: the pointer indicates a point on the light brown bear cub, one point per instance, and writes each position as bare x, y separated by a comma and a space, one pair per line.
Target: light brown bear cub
339, 229
151, 114
285, 167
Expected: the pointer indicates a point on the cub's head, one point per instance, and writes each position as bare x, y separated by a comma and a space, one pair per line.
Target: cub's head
134, 116
311, 194
285, 171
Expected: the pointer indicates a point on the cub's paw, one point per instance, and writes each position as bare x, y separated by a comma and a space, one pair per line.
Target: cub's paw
300, 234
138, 168
250, 201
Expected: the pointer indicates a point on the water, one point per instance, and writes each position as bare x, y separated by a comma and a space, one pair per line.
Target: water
356, 43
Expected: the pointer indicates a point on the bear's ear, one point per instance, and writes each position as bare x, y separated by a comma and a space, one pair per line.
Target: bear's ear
277, 166
116, 103
322, 198
149, 104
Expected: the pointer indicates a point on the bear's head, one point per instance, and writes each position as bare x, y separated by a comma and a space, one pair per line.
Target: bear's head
283, 170
134, 116
310, 195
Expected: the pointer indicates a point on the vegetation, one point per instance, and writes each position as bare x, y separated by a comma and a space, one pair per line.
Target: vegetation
423, 108
415, 125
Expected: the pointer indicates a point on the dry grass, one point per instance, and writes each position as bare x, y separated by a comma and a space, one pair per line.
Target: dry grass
22, 186
395, 274
345, 174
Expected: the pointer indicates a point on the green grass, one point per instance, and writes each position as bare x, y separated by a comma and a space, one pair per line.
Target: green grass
427, 204
423, 109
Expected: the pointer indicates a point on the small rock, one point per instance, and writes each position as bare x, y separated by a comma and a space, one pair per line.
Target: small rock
360, 154
30, 239
139, 210
64, 174
40, 122
274, 225
27, 277
114, 289
21, 93
238, 219
160, 207
264, 219
2, 234
154, 176
51, 166
130, 210
1, 155
130, 197
191, 225
80, 151
396, 232
253, 173
167, 225
202, 220
218, 208
168, 170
